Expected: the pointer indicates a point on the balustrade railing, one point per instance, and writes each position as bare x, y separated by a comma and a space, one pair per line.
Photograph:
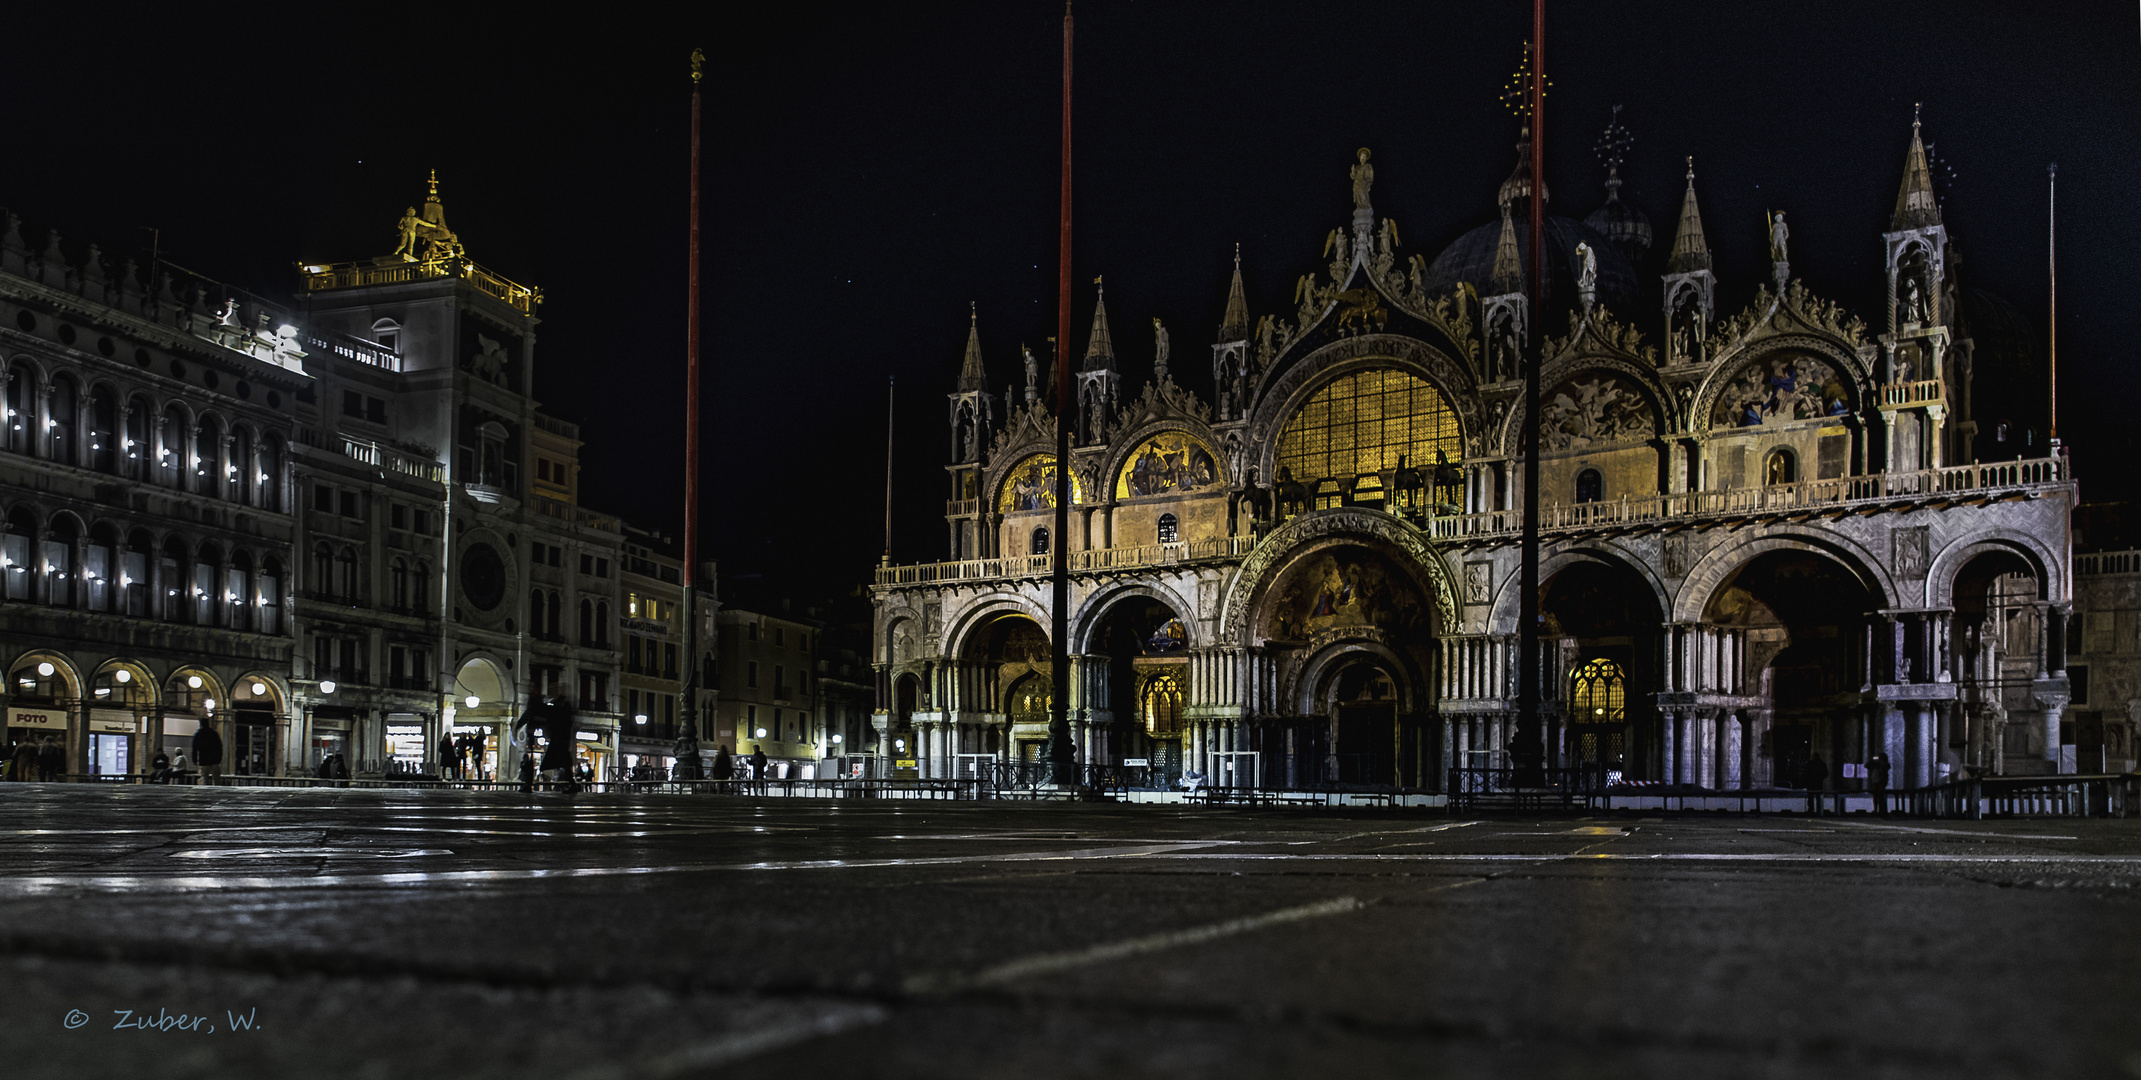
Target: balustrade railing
386, 457
1803, 495
1905, 395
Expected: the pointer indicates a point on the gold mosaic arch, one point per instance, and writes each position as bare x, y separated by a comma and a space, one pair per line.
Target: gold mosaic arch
1168, 463
1031, 485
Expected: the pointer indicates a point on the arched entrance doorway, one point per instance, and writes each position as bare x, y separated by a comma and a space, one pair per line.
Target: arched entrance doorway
1601, 626
1362, 628
2000, 638
1143, 645
1005, 651
1786, 665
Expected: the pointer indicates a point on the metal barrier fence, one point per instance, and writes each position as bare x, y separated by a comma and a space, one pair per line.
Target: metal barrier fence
2027, 796
1526, 789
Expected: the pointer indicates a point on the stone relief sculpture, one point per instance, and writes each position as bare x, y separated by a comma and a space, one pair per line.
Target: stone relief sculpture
1781, 388
1593, 412
1363, 178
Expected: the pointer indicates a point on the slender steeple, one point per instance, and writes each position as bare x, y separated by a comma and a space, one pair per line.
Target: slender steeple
1508, 276
1518, 186
1691, 252
971, 375
1916, 208
1234, 326
1100, 348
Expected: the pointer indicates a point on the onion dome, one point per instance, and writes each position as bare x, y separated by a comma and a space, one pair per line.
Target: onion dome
1627, 227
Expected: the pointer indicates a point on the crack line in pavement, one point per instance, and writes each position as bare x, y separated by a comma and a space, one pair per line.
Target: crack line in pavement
1048, 963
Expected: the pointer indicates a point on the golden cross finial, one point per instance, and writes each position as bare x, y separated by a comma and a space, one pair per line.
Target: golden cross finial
1914, 117
1691, 170
698, 57
434, 196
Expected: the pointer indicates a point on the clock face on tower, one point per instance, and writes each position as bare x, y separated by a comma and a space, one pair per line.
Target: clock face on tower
483, 576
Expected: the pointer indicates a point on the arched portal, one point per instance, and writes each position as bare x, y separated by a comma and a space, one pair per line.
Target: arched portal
2002, 639
1793, 629
1361, 623
1002, 651
1142, 645
1602, 631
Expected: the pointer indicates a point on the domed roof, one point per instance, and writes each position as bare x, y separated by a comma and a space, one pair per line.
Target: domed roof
1628, 227
1471, 258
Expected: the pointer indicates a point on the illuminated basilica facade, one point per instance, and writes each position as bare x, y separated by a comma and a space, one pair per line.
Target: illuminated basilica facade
1767, 534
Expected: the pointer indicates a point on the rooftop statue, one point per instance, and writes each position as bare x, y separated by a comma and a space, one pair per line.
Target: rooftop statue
1363, 178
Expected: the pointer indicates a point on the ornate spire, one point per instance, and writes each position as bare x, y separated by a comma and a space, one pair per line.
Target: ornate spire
1691, 252
1234, 326
1916, 207
1508, 276
1628, 227
1518, 186
1100, 349
971, 375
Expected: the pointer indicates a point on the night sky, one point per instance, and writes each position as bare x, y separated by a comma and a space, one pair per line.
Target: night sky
873, 169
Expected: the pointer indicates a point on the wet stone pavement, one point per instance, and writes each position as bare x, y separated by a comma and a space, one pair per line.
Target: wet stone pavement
263, 933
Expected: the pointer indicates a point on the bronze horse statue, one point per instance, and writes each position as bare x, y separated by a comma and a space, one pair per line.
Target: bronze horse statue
1292, 495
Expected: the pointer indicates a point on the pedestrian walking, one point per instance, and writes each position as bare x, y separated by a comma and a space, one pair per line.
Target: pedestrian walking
1877, 781
51, 760
22, 764
478, 748
449, 757
724, 765
208, 752
758, 763
1817, 777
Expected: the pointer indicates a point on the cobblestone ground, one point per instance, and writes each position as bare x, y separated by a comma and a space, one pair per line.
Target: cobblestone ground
259, 933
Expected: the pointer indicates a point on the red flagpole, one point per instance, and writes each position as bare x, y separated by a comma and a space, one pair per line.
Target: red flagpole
1060, 752
691, 432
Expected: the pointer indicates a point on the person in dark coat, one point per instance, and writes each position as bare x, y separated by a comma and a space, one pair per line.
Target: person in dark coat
554, 719
22, 764
478, 745
449, 757
1877, 781
208, 752
160, 769
1817, 777
527, 773
758, 763
326, 768
51, 760
724, 765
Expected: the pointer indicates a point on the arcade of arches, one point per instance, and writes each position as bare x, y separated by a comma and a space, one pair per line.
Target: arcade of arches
1766, 535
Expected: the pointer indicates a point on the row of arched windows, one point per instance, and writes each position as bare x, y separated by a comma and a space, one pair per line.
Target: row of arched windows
131, 437
338, 576
62, 564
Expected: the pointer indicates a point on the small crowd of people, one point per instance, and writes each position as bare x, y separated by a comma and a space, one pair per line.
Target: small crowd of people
463, 757
34, 759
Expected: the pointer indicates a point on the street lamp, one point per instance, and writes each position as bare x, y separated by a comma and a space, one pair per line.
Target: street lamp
471, 701
327, 686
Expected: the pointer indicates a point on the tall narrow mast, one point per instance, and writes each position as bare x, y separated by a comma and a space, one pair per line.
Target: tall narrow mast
2051, 254
1062, 770
691, 442
891, 385
1525, 749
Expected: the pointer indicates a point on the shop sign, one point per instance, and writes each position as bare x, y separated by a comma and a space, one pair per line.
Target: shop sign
118, 720
593, 736
37, 718
1137, 762
903, 763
